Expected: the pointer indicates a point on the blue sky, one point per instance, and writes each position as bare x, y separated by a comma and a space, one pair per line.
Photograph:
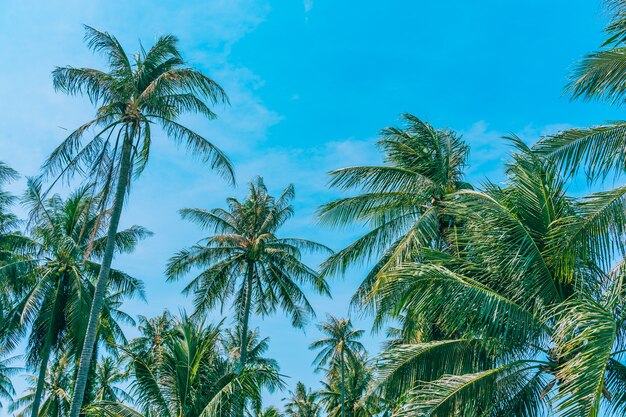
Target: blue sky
311, 83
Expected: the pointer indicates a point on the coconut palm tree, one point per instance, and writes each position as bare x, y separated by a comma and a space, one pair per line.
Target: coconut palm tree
10, 240
338, 346
255, 360
57, 392
109, 377
193, 378
303, 402
356, 402
247, 261
66, 246
536, 309
6, 385
132, 97
399, 201
154, 332
269, 412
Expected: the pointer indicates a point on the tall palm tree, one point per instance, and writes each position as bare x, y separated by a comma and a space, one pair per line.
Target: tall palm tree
534, 300
66, 246
399, 201
339, 345
248, 261
154, 333
154, 89
303, 402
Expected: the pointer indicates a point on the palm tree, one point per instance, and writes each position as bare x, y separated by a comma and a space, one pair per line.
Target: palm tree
246, 260
339, 345
66, 245
255, 360
534, 300
10, 238
57, 392
154, 334
269, 412
355, 399
6, 385
303, 402
108, 379
131, 96
400, 201
191, 379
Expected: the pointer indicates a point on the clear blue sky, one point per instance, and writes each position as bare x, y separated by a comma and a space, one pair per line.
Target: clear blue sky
311, 83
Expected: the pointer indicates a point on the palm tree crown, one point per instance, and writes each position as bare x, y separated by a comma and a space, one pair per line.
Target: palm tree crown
532, 299
400, 201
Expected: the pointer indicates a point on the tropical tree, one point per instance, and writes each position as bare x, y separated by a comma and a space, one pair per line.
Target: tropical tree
154, 89
7, 370
58, 271
154, 333
247, 261
269, 412
10, 329
56, 395
534, 300
399, 201
349, 394
303, 402
255, 360
192, 378
340, 344
109, 377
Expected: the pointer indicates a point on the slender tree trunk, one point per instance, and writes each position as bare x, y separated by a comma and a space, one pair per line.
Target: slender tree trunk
43, 368
103, 277
343, 385
45, 354
238, 403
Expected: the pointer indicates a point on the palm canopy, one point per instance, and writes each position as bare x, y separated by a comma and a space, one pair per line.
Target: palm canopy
600, 75
154, 88
54, 275
57, 393
356, 402
255, 361
61, 266
340, 341
192, 377
399, 201
303, 402
246, 259
532, 299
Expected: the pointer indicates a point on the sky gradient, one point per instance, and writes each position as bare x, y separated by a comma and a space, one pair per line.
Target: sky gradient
311, 84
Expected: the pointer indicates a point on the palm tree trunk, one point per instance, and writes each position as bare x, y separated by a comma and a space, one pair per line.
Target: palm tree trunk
103, 277
43, 368
45, 353
343, 385
238, 403
246, 318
